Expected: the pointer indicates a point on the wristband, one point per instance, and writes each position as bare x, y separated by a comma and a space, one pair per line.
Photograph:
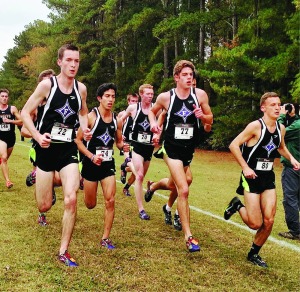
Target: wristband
92, 158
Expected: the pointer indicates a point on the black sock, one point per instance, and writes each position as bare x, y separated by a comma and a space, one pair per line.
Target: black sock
254, 250
239, 205
127, 186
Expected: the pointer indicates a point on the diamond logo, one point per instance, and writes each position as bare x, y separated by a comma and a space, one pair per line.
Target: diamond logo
65, 111
270, 146
105, 138
145, 124
184, 113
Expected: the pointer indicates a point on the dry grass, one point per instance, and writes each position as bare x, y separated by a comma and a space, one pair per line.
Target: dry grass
150, 256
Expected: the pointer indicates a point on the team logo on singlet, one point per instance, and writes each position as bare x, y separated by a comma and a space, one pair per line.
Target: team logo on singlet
270, 146
65, 111
184, 113
105, 138
145, 124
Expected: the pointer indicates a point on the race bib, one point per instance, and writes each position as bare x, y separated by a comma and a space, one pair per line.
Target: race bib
61, 132
184, 131
144, 137
264, 164
106, 153
130, 136
4, 127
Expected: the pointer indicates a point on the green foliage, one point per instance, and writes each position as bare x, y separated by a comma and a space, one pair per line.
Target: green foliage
249, 47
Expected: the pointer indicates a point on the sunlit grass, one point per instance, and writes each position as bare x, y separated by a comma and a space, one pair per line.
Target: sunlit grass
149, 256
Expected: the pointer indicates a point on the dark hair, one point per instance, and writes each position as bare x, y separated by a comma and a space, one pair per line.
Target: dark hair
104, 87
196, 76
65, 47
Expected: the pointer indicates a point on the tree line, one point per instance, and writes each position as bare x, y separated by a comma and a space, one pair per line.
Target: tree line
241, 49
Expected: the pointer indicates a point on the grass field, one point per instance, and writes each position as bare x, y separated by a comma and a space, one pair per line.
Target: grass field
149, 255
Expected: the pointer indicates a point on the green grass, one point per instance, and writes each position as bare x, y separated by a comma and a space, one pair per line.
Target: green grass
150, 256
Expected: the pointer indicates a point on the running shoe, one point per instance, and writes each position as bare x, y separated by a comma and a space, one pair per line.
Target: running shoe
126, 192
42, 220
232, 208
9, 184
107, 243
53, 197
67, 259
30, 179
289, 235
257, 260
192, 244
177, 222
144, 216
149, 193
168, 215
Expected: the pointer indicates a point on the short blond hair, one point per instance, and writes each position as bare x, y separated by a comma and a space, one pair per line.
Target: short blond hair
182, 64
4, 90
266, 95
143, 87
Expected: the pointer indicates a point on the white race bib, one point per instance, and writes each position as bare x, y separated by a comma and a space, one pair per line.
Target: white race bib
61, 132
130, 136
106, 153
4, 127
184, 131
144, 138
264, 164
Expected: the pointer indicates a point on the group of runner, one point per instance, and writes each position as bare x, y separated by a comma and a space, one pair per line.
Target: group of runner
62, 126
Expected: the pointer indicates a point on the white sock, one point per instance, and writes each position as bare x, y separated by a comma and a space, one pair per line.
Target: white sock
176, 212
168, 208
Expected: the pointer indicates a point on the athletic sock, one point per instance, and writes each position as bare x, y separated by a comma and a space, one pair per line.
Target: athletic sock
176, 212
127, 186
239, 205
168, 208
254, 250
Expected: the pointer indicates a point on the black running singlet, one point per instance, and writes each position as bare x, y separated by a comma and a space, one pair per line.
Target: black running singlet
182, 127
60, 108
6, 130
260, 157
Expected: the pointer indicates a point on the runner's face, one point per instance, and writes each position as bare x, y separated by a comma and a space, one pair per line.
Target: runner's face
69, 64
185, 78
108, 99
147, 95
271, 107
133, 100
3, 98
